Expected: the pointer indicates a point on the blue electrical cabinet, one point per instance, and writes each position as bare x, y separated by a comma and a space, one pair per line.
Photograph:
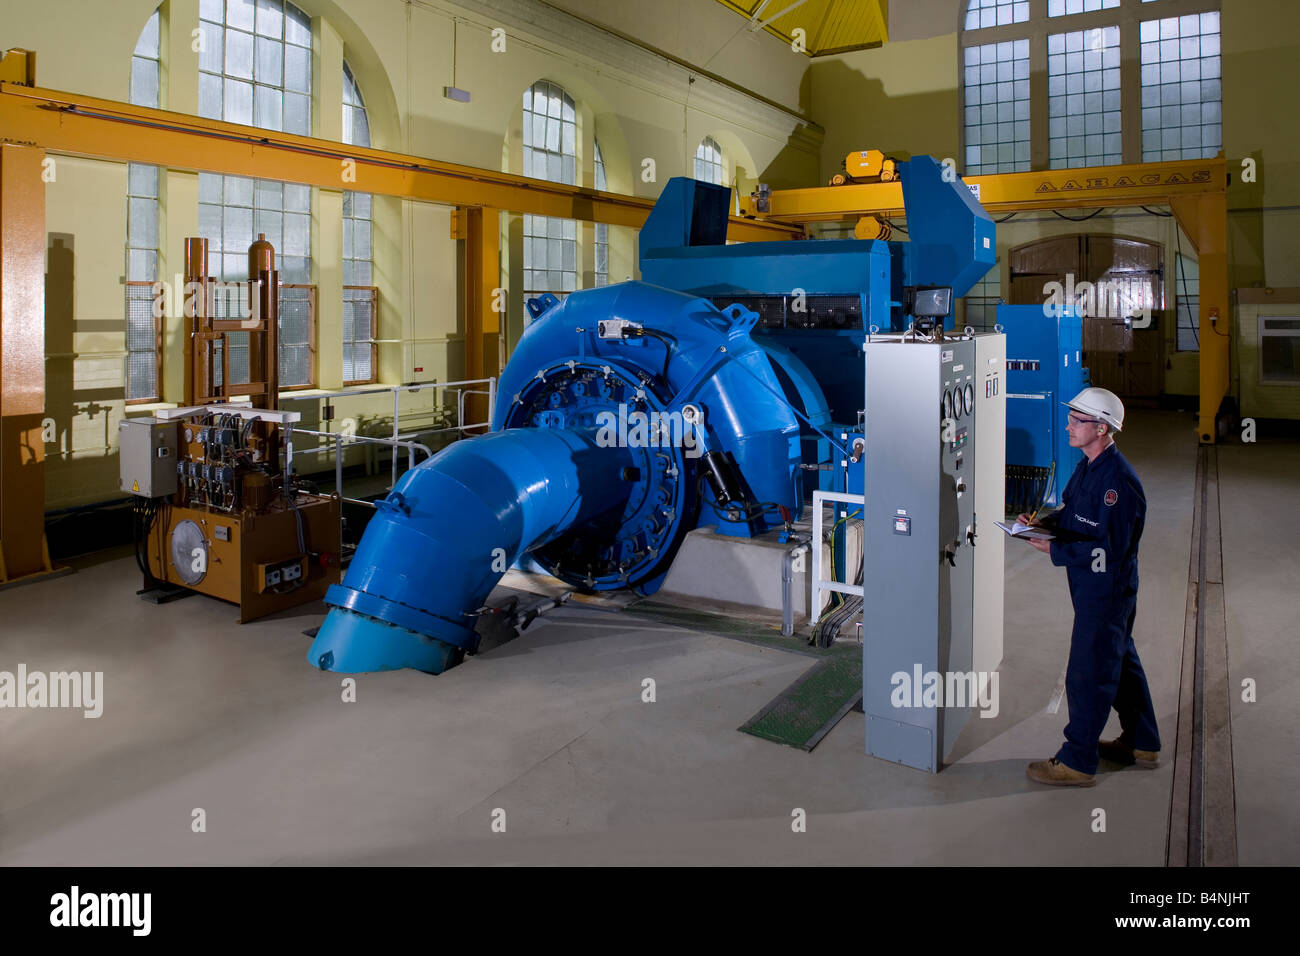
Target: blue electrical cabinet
1044, 369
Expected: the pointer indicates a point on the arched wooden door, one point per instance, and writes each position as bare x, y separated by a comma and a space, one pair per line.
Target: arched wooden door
1129, 361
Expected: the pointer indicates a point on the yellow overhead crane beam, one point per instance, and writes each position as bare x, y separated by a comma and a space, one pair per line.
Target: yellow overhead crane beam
77, 125
1195, 190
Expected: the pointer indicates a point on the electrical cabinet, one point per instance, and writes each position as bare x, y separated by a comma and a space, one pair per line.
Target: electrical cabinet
147, 457
924, 537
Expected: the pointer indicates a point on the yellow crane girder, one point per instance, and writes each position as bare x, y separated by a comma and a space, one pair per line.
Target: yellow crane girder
76, 125
1194, 189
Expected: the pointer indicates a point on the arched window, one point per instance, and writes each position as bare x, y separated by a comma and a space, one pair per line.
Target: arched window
255, 68
550, 152
601, 232
360, 297
143, 329
708, 161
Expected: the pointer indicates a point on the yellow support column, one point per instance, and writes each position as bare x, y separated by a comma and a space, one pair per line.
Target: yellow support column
479, 228
22, 362
1205, 221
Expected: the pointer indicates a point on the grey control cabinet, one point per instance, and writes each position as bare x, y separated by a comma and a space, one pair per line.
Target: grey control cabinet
920, 546
147, 457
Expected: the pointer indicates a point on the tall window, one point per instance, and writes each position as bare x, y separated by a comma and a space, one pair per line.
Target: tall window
1073, 63
708, 161
360, 298
1182, 95
997, 107
255, 69
1083, 113
550, 152
143, 331
601, 270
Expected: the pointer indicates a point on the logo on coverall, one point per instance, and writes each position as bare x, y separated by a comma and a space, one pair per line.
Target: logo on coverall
1112, 496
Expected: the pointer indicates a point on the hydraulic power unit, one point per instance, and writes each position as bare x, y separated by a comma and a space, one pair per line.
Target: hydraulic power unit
215, 512
924, 537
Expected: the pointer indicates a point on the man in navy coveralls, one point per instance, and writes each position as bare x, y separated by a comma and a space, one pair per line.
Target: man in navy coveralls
1098, 527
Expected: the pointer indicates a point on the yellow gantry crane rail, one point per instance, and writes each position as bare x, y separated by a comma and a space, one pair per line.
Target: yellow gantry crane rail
77, 125
1195, 191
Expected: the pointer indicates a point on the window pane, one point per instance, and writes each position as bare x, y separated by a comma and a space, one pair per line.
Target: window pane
269, 62
239, 54
361, 239
142, 180
239, 191
296, 234
237, 229
297, 114
211, 54
144, 82
147, 45
297, 198
268, 107
142, 223
210, 222
238, 105
210, 96
297, 26
297, 69
270, 18
239, 13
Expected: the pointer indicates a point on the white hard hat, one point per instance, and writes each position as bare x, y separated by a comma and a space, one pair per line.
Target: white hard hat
1101, 404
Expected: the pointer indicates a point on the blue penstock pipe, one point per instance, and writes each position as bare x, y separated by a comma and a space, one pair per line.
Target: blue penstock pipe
445, 535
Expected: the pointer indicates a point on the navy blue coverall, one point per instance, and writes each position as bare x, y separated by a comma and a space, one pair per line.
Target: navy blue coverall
1098, 529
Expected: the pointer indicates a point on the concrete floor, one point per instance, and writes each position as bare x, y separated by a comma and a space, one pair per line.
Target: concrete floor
1259, 500
551, 729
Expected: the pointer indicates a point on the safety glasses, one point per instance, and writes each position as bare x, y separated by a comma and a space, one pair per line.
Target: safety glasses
1076, 420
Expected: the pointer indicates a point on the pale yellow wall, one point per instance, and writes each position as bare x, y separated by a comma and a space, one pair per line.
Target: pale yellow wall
707, 33
900, 98
640, 104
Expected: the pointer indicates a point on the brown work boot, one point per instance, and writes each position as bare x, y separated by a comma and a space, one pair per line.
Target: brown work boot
1118, 751
1058, 774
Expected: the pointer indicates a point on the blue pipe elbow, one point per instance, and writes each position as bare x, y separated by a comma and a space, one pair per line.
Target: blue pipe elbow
445, 535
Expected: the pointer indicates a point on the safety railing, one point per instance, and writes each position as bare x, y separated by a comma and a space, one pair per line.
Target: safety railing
485, 386
819, 583
337, 442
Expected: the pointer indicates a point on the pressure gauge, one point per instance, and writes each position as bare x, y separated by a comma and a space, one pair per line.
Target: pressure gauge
969, 399
947, 404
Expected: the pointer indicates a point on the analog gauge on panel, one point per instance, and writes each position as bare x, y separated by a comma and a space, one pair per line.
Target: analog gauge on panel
947, 404
969, 399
